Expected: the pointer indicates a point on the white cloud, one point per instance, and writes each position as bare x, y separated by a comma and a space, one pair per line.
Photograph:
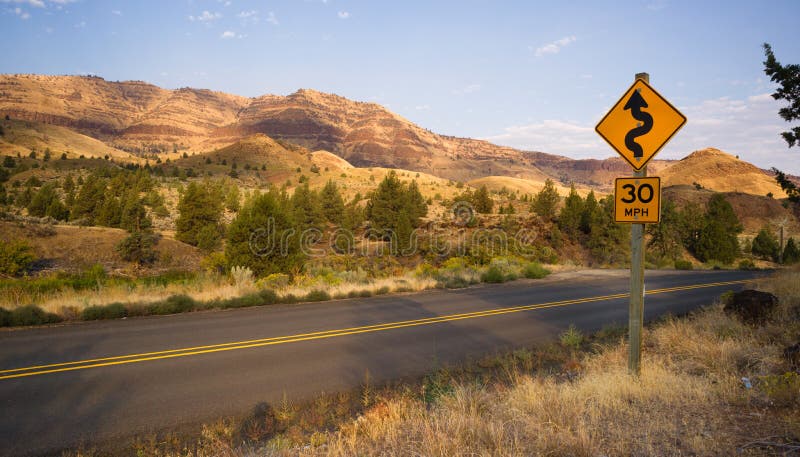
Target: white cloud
116, 12
272, 19
749, 127
247, 14
227, 35
205, 17
21, 13
554, 47
343, 14
33, 3
468, 89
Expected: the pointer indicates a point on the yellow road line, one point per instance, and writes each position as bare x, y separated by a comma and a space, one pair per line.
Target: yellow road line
198, 350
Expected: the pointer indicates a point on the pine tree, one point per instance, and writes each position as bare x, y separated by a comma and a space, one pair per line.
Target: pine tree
262, 237
791, 253
788, 77
481, 201
665, 237
332, 203
569, 219
90, 199
110, 214
608, 241
718, 237
198, 207
232, 198
138, 247
546, 201
765, 245
391, 199
134, 217
306, 210
42, 200
590, 214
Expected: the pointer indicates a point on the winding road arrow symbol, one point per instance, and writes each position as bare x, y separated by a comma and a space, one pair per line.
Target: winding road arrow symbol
635, 104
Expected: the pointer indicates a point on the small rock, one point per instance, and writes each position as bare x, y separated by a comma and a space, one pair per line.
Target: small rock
751, 306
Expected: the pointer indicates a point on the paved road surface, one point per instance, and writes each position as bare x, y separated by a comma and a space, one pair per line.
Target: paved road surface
169, 371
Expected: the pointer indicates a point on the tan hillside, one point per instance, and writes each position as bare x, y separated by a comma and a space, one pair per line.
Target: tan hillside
598, 174
722, 172
25, 136
524, 186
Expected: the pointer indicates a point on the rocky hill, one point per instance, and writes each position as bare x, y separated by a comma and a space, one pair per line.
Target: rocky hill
134, 119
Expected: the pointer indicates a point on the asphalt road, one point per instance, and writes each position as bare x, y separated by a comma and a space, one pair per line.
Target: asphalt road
104, 381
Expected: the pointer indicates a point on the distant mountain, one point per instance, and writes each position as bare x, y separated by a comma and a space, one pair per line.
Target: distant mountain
145, 120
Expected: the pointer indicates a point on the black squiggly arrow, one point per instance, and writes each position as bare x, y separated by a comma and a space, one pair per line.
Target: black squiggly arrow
635, 104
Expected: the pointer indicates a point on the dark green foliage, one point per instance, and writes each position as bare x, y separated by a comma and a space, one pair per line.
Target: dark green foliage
591, 213
765, 245
209, 239
681, 264
546, 201
3, 195
318, 295
138, 247
481, 201
608, 241
110, 213
9, 162
31, 315
493, 275
306, 209
789, 187
391, 199
535, 270
569, 219
666, 236
254, 237
791, 253
717, 239
47, 203
198, 207
5, 317
172, 305
110, 311
90, 199
788, 77
16, 257
747, 264
134, 217
332, 203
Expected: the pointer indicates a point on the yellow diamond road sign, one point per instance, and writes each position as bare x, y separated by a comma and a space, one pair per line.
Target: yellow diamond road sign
637, 200
640, 124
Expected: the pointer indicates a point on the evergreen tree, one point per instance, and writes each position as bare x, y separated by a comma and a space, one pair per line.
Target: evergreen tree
332, 203
261, 237
718, 238
665, 237
198, 207
391, 199
791, 253
608, 242
415, 205
3, 195
24, 198
690, 222
765, 245
232, 198
546, 201
590, 214
134, 217
403, 234
788, 77
138, 247
569, 219
481, 201
110, 214
306, 210
42, 200
90, 199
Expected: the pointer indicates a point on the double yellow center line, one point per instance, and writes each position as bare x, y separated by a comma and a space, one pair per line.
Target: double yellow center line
197, 350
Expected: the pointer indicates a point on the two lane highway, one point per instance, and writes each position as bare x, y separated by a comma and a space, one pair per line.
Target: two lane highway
102, 381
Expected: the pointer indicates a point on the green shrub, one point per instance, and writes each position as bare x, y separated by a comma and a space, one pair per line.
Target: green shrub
781, 389
534, 270
16, 257
572, 338
110, 311
5, 317
747, 264
493, 275
365, 293
32, 315
289, 299
681, 264
172, 305
268, 297
383, 290
318, 295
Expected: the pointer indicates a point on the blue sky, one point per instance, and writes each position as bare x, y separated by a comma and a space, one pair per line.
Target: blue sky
533, 75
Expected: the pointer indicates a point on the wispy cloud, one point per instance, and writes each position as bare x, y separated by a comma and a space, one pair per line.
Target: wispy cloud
554, 47
33, 3
228, 34
205, 17
21, 13
468, 89
249, 17
272, 19
116, 12
343, 14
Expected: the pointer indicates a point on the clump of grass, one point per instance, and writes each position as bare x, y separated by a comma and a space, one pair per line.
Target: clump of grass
534, 270
493, 275
572, 338
681, 264
172, 305
27, 315
110, 311
318, 295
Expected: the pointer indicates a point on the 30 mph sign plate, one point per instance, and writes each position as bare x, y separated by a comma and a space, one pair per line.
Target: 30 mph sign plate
637, 200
